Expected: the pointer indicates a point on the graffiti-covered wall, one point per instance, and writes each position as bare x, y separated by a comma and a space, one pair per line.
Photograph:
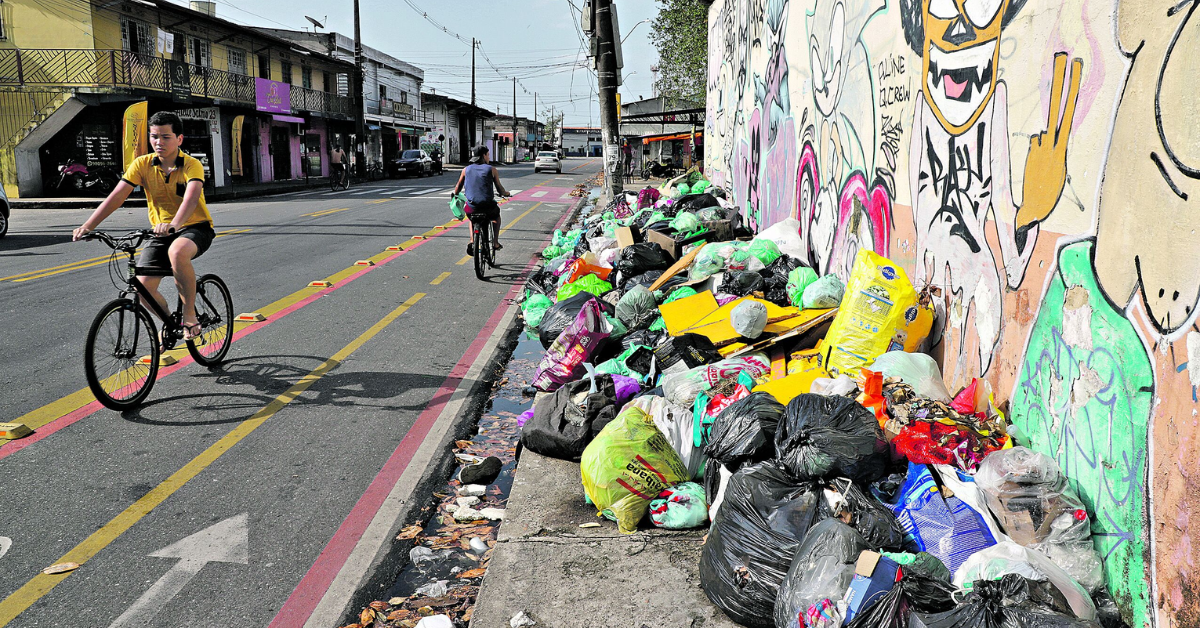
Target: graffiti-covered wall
1039, 162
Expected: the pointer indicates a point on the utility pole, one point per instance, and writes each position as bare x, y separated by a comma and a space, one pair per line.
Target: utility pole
472, 65
537, 136
514, 119
360, 128
606, 76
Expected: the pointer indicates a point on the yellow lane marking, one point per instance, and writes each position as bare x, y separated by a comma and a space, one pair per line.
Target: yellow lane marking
464, 260
61, 407
42, 584
325, 212
87, 263
440, 278
382, 200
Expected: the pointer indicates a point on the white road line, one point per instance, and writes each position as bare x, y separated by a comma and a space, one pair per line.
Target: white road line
425, 191
538, 194
398, 190
332, 193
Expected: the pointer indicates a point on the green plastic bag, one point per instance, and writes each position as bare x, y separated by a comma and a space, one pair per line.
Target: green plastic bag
535, 308
619, 328
700, 186
552, 252
637, 307
680, 507
824, 293
798, 280
765, 250
586, 283
457, 203
694, 177
627, 465
679, 293
618, 366
683, 189
686, 223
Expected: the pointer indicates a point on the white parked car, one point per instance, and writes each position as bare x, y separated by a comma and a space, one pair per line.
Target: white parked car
548, 160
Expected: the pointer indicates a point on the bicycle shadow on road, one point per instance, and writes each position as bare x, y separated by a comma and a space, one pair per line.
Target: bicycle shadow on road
14, 242
271, 376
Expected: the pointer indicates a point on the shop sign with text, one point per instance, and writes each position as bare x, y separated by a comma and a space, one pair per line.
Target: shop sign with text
272, 96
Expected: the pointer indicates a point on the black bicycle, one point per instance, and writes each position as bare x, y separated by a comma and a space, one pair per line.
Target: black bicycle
485, 242
339, 179
121, 357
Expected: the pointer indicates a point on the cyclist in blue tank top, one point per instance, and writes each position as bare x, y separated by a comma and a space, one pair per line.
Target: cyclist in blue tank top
477, 181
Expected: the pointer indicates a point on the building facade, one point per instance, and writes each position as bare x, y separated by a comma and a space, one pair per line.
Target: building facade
255, 107
457, 127
582, 141
498, 130
392, 109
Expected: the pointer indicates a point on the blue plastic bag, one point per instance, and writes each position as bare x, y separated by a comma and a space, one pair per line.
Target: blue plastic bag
949, 528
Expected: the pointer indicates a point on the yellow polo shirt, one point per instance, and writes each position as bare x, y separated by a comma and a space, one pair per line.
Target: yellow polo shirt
164, 194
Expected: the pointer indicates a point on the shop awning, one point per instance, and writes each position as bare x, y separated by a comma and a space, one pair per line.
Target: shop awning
295, 119
373, 127
670, 137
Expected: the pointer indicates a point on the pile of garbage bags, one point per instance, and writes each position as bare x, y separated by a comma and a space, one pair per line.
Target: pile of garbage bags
704, 376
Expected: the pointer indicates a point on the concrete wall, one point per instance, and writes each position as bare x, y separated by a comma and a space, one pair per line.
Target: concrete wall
1038, 160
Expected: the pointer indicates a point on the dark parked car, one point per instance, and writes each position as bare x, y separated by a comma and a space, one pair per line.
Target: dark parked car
412, 162
4, 213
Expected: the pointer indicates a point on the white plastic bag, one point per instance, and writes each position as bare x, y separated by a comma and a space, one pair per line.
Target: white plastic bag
681, 388
786, 235
841, 385
915, 369
1008, 557
675, 423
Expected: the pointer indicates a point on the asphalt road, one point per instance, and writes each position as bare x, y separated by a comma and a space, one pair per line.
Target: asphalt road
268, 457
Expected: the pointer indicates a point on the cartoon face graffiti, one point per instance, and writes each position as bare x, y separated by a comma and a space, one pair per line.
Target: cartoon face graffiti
960, 56
828, 66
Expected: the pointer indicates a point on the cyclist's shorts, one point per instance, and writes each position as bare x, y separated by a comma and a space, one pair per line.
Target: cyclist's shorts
488, 209
154, 260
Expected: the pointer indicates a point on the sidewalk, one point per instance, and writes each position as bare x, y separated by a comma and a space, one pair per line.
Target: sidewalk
559, 574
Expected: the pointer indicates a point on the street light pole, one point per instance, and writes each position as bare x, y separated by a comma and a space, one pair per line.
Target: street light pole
514, 148
360, 110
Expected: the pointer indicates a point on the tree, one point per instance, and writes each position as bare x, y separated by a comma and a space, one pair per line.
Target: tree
552, 119
680, 33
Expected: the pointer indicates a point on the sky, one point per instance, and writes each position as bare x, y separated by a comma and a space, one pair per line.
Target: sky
537, 41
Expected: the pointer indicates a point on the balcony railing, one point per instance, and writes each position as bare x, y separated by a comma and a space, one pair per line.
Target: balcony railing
122, 68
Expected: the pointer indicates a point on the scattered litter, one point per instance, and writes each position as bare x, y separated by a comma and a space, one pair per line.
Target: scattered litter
521, 619
590, 524
60, 568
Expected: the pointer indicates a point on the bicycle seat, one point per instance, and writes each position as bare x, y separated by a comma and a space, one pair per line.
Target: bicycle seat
153, 271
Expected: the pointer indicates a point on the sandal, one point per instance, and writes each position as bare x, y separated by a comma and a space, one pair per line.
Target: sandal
498, 247
162, 340
192, 331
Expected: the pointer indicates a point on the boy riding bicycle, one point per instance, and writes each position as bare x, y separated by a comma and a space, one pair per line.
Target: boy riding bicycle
477, 180
174, 185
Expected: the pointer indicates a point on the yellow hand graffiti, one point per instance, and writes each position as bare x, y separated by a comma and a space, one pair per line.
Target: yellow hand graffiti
1046, 167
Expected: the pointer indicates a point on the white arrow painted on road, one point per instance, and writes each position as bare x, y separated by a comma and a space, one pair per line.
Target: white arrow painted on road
224, 542
5, 544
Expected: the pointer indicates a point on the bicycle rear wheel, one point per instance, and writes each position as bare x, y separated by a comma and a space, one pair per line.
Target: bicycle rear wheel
120, 336
481, 245
491, 243
214, 310
334, 181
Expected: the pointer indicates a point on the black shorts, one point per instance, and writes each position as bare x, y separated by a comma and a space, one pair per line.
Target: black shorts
154, 261
489, 210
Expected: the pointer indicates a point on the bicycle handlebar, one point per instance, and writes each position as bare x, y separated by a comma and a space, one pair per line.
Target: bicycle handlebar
132, 239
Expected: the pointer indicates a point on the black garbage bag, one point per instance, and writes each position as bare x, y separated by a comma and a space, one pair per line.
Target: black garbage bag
822, 570
740, 282
564, 423
1107, 613
760, 525
625, 282
543, 282
876, 522
826, 436
694, 202
1010, 602
691, 349
563, 313
643, 337
913, 593
641, 257
745, 430
887, 489
775, 278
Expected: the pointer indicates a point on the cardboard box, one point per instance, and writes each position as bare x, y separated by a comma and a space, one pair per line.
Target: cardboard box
718, 230
667, 243
874, 576
627, 236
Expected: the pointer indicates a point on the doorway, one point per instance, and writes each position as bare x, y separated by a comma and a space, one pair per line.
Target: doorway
281, 152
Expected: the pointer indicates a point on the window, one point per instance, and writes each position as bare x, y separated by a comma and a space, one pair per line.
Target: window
343, 81
285, 68
404, 98
135, 36
199, 52
264, 67
327, 78
382, 94
237, 61
306, 77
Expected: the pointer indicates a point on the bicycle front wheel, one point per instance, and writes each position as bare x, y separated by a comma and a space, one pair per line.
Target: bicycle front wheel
214, 310
334, 181
121, 335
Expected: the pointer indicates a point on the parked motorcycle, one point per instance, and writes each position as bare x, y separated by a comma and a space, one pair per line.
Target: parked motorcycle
663, 169
436, 156
77, 178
